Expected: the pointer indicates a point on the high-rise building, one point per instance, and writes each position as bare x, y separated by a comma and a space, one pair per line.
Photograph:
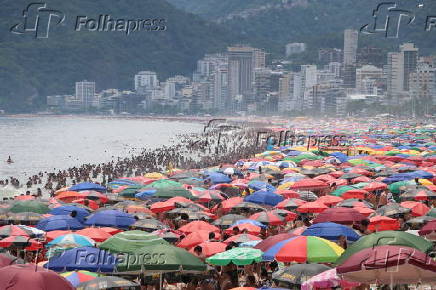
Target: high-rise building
146, 80
286, 101
242, 62
328, 55
422, 86
350, 46
399, 66
85, 93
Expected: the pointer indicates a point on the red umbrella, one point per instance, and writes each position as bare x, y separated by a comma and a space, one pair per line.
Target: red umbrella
298, 231
198, 226
330, 199
195, 238
372, 186
8, 259
164, 206
268, 218
366, 211
325, 177
287, 193
89, 203
360, 179
50, 236
355, 193
272, 240
228, 204
207, 195
242, 238
24, 197
111, 231
288, 215
388, 265
312, 207
247, 227
417, 208
361, 171
211, 248
32, 277
96, 234
290, 203
308, 183
340, 215
13, 230
383, 223
337, 174
20, 241
429, 228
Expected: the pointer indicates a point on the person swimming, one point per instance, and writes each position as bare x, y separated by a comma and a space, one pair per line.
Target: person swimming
9, 160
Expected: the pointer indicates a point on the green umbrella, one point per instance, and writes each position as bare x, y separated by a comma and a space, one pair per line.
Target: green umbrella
129, 241
160, 258
130, 191
164, 183
396, 187
358, 161
342, 189
169, 192
237, 256
30, 206
397, 238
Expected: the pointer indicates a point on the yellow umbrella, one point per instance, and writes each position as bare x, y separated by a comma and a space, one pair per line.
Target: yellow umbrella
154, 175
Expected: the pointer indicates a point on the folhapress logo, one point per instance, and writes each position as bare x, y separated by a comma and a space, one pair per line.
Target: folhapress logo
38, 19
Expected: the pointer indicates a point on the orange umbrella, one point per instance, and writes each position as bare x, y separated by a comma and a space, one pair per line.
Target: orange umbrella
330, 199
211, 248
163, 206
96, 234
89, 203
355, 193
250, 228
417, 208
195, 238
69, 196
383, 223
376, 186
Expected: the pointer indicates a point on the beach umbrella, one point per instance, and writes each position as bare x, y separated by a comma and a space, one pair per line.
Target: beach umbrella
239, 256
84, 258
327, 279
7, 259
249, 221
417, 208
290, 203
20, 242
248, 228
429, 228
331, 231
353, 202
312, 207
340, 215
148, 225
171, 236
154, 175
272, 240
198, 226
432, 212
302, 249
383, 223
298, 273
77, 277
227, 220
396, 187
392, 209
107, 282
388, 264
25, 217
208, 196
421, 220
129, 241
264, 197
164, 183
15, 230
394, 238
30, 206
162, 258
248, 206
195, 238
269, 218
309, 184
373, 186
30, 276
59, 222
68, 209
330, 199
110, 218
242, 238
71, 241
210, 248
417, 193
169, 204
169, 192
87, 186
307, 195
95, 234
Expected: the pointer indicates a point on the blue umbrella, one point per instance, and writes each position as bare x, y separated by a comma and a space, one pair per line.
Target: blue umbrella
110, 218
249, 221
146, 194
85, 258
87, 186
421, 174
260, 185
264, 197
331, 231
216, 177
67, 209
341, 156
59, 222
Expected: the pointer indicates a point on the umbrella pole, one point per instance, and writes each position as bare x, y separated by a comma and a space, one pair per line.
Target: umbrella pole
160, 281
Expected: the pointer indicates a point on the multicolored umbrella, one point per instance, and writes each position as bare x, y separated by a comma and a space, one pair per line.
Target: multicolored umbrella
238, 256
77, 277
71, 241
290, 203
304, 249
20, 242
272, 240
268, 218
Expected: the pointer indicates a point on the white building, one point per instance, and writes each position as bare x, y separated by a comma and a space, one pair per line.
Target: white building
423, 87
294, 48
146, 79
85, 93
366, 79
351, 38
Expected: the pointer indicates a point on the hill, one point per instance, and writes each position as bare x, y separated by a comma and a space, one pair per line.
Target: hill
32, 68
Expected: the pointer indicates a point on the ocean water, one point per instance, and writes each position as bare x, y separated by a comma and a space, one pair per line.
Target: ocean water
49, 143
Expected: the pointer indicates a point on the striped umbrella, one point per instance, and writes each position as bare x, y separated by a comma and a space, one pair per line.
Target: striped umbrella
77, 277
